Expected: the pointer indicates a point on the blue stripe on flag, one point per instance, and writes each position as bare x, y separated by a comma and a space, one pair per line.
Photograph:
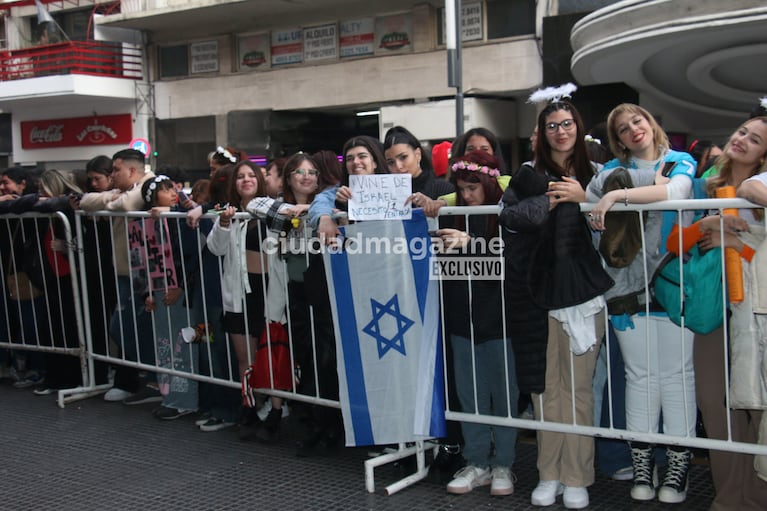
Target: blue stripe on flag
437, 426
418, 228
348, 336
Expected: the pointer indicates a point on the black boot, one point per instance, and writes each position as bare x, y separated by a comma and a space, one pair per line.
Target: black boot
674, 489
271, 425
645, 473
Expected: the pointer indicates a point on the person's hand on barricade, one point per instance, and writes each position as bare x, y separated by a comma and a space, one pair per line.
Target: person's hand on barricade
74, 200
173, 295
149, 304
327, 231
567, 190
193, 217
227, 213
597, 214
297, 210
158, 210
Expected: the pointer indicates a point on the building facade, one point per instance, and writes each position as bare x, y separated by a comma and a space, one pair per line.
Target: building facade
271, 77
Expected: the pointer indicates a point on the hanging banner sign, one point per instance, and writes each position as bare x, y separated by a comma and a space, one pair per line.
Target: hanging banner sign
77, 131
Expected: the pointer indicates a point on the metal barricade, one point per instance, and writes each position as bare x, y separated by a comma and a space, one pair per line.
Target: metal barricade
683, 209
173, 255
41, 312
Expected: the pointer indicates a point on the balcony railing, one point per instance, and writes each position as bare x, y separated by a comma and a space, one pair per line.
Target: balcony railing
116, 60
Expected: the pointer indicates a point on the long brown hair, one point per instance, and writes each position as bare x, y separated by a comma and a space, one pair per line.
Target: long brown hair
292, 164
579, 161
723, 164
234, 196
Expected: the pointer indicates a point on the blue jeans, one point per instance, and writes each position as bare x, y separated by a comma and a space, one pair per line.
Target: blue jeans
130, 309
493, 398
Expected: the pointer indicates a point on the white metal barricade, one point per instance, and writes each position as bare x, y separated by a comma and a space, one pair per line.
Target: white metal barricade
141, 352
41, 297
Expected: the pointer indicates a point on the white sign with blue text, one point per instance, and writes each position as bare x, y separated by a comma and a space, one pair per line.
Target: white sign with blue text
380, 197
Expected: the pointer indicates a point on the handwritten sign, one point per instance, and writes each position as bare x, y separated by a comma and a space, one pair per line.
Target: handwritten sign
151, 257
380, 197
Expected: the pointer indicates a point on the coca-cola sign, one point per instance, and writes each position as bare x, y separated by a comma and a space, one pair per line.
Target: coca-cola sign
78, 131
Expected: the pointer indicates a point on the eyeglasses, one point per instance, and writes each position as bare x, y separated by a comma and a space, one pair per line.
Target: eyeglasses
553, 127
303, 172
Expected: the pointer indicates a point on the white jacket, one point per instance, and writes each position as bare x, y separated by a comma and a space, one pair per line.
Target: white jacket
230, 243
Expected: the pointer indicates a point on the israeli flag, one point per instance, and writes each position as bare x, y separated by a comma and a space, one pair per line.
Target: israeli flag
388, 338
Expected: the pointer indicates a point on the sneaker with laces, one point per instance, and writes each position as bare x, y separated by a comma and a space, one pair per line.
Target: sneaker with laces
502, 482
575, 497
468, 478
30, 379
675, 482
145, 395
546, 493
214, 424
204, 417
114, 394
645, 473
167, 413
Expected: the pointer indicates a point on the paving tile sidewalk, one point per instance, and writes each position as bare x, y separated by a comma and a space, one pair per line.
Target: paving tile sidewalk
94, 455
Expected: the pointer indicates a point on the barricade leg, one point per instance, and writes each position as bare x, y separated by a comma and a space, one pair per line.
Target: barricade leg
418, 448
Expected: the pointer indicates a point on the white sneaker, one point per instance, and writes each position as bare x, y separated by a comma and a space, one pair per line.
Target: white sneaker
115, 394
546, 493
468, 478
502, 481
575, 497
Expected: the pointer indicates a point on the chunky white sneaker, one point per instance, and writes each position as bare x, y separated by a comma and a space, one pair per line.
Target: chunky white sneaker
114, 394
575, 497
502, 481
468, 478
546, 493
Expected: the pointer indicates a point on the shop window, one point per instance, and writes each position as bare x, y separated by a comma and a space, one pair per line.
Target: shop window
174, 61
508, 18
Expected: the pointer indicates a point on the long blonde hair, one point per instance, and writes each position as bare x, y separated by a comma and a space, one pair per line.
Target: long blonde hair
55, 182
618, 149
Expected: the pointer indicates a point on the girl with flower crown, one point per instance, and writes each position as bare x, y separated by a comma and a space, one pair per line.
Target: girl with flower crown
483, 359
555, 284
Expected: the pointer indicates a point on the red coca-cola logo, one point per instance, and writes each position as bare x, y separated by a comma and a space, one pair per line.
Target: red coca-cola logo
50, 134
80, 131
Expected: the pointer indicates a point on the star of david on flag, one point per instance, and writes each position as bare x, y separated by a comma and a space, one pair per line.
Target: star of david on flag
388, 339
374, 328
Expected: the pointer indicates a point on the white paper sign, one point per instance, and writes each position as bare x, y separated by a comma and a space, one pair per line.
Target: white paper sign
380, 197
204, 57
320, 43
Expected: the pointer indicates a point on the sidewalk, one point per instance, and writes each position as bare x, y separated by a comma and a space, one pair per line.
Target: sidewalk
94, 455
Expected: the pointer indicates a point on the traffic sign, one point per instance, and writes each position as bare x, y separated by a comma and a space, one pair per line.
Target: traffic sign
141, 144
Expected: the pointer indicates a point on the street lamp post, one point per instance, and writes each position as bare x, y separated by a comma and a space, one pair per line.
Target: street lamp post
454, 68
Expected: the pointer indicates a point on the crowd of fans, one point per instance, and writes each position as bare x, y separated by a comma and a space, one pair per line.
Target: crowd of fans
196, 292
